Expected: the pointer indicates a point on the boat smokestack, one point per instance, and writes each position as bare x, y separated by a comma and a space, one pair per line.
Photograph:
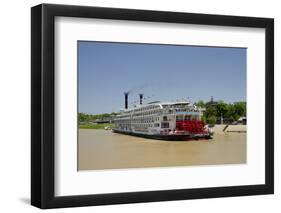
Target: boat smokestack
126, 99
141, 97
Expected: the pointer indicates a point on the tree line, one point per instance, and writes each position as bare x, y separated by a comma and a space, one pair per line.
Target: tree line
83, 117
230, 112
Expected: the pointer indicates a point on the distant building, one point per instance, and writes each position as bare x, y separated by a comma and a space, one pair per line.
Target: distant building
242, 120
212, 102
102, 121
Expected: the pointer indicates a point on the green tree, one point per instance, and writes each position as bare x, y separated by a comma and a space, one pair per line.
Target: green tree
222, 108
201, 104
212, 120
240, 108
82, 117
231, 114
210, 111
204, 119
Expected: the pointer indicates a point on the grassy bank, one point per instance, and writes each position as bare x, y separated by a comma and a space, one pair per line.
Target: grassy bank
95, 126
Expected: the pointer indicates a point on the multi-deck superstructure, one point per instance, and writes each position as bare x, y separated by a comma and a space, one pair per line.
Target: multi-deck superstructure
179, 120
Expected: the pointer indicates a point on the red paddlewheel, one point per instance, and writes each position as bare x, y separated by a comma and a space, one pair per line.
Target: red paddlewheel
193, 126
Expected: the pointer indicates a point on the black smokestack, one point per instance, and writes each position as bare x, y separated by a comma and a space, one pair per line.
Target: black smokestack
126, 99
141, 97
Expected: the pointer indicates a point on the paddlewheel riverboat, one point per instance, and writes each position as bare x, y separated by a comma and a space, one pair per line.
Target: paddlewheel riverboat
179, 120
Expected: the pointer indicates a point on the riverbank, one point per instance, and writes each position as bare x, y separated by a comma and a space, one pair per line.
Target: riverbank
230, 128
95, 126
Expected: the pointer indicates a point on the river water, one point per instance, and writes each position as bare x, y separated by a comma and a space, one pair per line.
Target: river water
101, 149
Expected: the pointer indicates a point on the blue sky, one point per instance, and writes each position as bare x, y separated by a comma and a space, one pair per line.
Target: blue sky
162, 72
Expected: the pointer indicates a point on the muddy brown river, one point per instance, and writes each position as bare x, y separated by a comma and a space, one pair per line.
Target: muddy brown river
101, 149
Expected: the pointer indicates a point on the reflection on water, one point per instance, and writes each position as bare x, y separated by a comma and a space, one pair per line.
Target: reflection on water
100, 149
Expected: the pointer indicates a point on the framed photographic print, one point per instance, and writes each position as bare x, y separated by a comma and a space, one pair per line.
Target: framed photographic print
139, 106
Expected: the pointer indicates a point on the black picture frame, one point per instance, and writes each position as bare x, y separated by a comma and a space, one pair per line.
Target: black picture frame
43, 102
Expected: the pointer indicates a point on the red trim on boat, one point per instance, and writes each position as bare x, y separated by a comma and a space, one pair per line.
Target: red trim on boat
191, 126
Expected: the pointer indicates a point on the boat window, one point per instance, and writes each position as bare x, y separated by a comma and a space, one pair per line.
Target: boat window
164, 125
179, 118
165, 118
187, 118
